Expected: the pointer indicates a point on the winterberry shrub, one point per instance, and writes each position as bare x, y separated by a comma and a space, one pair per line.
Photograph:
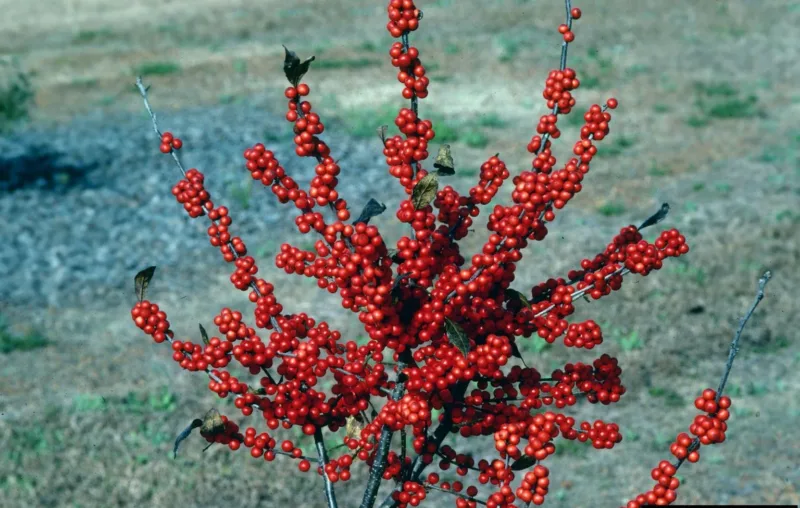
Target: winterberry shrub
442, 357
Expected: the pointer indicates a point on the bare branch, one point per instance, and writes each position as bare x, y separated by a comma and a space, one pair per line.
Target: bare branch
322, 459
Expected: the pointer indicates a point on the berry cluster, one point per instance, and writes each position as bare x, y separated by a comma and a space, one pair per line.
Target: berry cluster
170, 143
708, 429
403, 17
443, 332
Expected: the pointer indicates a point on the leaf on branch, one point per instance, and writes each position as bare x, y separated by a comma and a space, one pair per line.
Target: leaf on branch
515, 351
197, 422
444, 162
142, 280
372, 209
258, 391
354, 427
513, 295
382, 133
203, 334
212, 423
395, 291
395, 257
425, 191
523, 462
656, 217
294, 68
456, 336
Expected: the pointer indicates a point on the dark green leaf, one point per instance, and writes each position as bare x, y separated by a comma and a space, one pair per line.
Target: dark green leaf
142, 280
395, 291
395, 256
197, 422
294, 68
382, 133
523, 462
203, 334
516, 296
372, 209
425, 191
444, 161
456, 336
515, 351
656, 217
212, 423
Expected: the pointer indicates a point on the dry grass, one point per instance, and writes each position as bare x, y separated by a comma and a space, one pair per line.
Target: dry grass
88, 421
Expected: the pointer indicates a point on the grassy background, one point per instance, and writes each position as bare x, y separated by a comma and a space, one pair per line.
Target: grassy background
707, 122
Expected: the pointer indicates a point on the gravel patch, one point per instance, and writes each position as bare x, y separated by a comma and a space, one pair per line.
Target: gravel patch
88, 203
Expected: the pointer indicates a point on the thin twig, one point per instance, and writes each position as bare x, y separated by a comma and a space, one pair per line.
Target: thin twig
143, 91
762, 282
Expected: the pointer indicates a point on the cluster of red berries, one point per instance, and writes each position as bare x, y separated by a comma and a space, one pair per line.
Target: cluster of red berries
707, 428
412, 126
403, 17
412, 72
306, 124
191, 193
412, 493
151, 320
664, 492
565, 30
596, 121
307, 127
457, 488
170, 143
402, 154
534, 486
558, 90
450, 325
455, 218
493, 173
586, 335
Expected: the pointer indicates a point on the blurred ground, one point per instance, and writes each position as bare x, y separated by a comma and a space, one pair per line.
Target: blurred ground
707, 122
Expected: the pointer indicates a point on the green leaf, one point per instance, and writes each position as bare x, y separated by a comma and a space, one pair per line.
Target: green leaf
203, 334
515, 296
395, 257
142, 280
212, 423
656, 217
372, 209
425, 191
197, 422
444, 162
456, 336
515, 351
523, 462
294, 68
382, 133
